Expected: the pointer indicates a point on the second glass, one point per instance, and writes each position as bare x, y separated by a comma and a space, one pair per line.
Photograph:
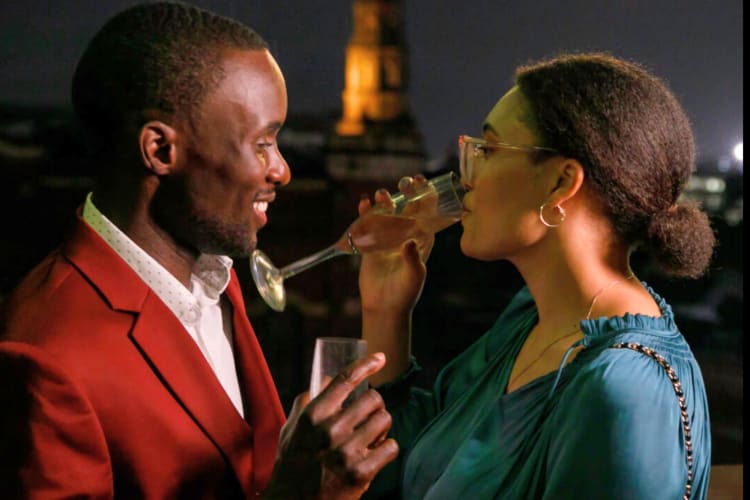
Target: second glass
429, 209
331, 355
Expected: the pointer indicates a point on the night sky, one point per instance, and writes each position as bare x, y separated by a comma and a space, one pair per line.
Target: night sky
462, 53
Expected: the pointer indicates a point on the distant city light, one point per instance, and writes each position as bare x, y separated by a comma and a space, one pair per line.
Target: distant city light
714, 185
738, 151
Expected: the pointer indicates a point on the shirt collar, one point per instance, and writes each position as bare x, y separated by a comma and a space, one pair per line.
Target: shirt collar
211, 273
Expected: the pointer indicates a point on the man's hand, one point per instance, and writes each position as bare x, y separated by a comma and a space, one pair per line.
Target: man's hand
326, 452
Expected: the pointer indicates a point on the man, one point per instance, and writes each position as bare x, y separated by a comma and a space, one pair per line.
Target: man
127, 362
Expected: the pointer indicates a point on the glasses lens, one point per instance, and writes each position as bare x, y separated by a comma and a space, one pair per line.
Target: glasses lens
464, 158
469, 151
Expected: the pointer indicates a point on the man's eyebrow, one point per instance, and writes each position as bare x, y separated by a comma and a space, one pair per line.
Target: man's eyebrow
274, 126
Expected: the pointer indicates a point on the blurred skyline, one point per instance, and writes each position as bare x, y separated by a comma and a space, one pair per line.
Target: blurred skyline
462, 55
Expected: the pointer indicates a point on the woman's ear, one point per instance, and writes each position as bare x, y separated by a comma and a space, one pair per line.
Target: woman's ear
569, 175
158, 148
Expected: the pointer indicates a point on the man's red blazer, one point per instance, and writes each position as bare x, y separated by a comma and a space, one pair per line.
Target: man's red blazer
105, 393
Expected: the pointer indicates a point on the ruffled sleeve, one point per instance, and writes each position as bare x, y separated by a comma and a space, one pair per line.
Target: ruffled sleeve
410, 408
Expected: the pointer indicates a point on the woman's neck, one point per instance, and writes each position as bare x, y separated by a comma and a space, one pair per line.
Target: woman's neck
569, 283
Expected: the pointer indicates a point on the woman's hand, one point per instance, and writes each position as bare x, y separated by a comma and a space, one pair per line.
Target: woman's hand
392, 281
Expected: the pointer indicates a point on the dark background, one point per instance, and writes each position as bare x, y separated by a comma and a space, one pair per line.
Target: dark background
462, 58
462, 54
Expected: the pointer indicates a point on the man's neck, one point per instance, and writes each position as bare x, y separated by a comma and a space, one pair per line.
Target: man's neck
131, 214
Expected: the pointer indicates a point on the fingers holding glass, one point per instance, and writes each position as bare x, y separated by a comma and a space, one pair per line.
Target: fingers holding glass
419, 209
336, 357
348, 442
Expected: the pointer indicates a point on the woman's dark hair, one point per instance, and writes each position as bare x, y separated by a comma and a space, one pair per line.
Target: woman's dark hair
635, 144
161, 56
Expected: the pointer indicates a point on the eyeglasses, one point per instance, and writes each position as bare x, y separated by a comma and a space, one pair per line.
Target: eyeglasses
472, 150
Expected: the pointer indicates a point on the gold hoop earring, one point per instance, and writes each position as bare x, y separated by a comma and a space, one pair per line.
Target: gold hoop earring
560, 211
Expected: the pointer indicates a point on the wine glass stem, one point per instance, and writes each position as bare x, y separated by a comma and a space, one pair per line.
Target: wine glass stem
306, 263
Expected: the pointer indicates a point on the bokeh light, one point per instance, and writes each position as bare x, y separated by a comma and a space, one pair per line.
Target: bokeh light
738, 151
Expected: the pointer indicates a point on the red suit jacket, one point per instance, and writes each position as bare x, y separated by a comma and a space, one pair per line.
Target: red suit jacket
105, 393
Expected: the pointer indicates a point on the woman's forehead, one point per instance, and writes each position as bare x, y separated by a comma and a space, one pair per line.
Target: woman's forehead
505, 121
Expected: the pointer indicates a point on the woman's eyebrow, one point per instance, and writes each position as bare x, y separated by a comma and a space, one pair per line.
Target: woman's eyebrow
488, 128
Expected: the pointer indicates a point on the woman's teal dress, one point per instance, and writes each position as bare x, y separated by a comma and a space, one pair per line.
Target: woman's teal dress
605, 426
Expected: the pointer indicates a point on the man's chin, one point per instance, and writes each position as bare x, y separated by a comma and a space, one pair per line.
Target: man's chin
236, 252
233, 249
219, 237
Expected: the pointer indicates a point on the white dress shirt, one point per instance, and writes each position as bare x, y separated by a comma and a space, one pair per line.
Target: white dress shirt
206, 317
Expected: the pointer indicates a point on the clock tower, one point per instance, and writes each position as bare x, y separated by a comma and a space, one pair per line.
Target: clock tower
376, 138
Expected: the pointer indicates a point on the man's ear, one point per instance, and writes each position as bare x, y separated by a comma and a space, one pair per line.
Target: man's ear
158, 148
569, 175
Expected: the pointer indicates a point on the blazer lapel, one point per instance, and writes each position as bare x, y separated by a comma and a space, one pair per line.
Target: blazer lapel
172, 353
262, 406
116, 281
180, 364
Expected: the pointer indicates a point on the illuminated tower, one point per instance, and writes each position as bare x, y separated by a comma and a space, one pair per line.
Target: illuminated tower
376, 138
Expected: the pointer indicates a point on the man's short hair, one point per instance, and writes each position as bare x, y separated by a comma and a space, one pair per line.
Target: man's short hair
162, 56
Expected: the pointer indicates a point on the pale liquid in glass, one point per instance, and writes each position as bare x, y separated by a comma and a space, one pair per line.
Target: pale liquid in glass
375, 232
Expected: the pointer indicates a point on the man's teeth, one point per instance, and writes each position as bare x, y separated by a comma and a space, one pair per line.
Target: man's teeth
260, 206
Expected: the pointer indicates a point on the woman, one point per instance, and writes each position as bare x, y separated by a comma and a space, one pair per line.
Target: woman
579, 388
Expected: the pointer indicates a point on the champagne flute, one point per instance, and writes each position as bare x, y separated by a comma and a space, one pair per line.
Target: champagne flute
331, 355
428, 209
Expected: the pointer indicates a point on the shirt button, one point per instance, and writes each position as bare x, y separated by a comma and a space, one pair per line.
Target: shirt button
191, 315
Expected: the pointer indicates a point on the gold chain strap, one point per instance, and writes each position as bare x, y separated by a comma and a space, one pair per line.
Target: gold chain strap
680, 399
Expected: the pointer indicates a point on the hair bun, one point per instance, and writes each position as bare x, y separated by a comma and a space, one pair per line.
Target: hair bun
682, 240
